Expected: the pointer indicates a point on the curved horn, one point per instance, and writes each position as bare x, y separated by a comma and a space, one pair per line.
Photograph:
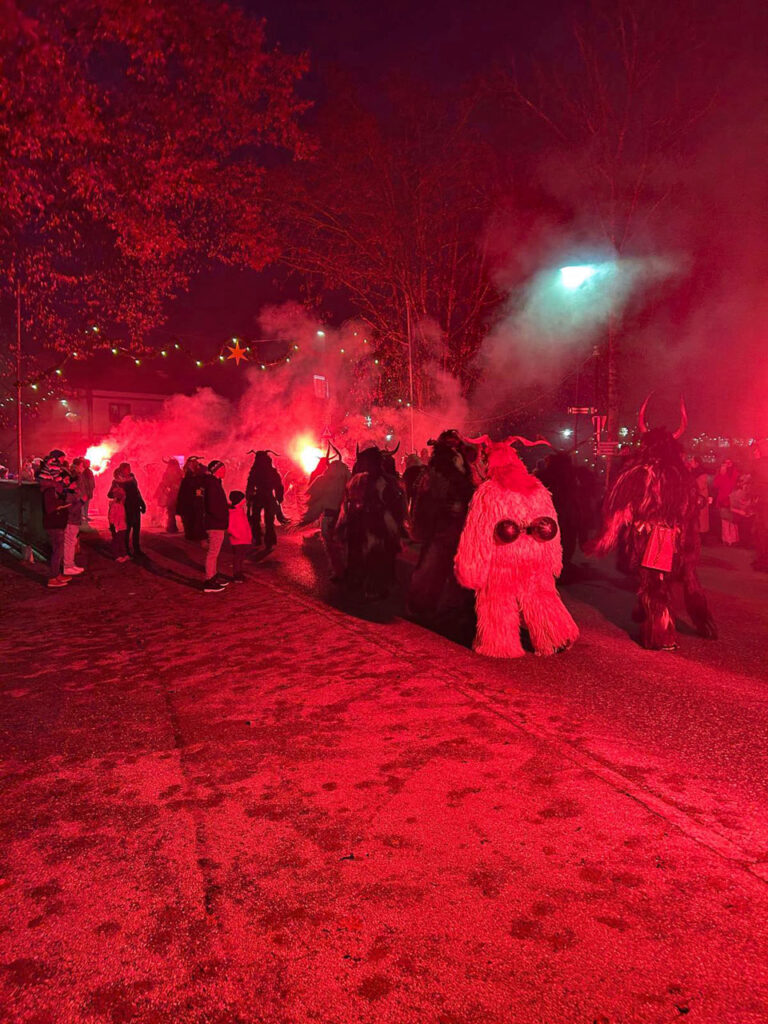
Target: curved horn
641, 421
271, 451
483, 439
357, 449
512, 439
683, 420
388, 452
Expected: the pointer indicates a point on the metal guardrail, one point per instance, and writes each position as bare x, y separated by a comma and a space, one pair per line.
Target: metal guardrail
21, 519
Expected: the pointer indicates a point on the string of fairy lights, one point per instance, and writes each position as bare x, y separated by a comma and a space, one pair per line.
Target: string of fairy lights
42, 382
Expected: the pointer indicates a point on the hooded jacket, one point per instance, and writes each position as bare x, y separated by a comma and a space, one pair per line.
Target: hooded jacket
216, 504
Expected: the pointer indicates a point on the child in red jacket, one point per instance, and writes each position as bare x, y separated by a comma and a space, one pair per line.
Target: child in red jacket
239, 531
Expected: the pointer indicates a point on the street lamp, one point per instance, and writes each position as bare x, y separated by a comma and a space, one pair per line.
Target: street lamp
574, 277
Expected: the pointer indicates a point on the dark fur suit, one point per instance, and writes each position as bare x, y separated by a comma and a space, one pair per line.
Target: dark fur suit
654, 502
559, 477
441, 497
370, 524
264, 492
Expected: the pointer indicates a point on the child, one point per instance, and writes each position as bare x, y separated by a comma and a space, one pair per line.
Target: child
239, 531
118, 526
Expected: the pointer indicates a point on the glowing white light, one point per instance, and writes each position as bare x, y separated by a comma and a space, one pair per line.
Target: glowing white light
99, 455
567, 432
321, 334
574, 277
303, 450
623, 431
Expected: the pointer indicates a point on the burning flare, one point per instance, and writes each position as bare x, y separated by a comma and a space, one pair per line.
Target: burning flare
303, 451
99, 455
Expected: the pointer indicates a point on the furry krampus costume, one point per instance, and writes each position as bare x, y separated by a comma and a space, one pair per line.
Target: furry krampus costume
325, 494
654, 505
510, 555
264, 492
371, 523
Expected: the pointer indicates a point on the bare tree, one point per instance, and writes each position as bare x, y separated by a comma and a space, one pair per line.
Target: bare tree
617, 110
390, 217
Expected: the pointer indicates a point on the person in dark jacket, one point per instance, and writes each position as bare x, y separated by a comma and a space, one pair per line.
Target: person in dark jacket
190, 501
442, 494
53, 491
167, 493
134, 505
264, 492
216, 524
370, 525
559, 477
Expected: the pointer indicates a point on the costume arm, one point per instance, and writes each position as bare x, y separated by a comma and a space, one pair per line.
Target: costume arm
624, 497
475, 551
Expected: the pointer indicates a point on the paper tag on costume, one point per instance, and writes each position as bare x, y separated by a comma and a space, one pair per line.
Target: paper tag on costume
660, 549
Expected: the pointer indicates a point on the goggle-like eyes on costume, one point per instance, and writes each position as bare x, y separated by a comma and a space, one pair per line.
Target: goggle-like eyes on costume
542, 529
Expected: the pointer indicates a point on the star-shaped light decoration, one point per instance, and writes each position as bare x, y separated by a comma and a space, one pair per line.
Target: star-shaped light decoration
237, 353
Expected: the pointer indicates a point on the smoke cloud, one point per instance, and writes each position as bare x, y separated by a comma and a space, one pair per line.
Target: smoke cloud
318, 390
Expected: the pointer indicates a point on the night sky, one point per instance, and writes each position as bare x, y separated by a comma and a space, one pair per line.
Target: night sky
711, 333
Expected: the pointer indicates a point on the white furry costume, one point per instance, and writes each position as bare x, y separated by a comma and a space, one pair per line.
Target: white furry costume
513, 579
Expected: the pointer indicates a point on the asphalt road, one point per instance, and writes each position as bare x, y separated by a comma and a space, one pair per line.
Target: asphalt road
271, 805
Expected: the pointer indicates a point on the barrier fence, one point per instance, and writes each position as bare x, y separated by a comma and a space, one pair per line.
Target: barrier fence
21, 518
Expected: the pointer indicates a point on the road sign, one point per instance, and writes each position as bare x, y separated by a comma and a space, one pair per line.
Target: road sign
581, 410
607, 448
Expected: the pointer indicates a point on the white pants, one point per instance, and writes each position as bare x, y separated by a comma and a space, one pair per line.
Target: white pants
215, 540
70, 544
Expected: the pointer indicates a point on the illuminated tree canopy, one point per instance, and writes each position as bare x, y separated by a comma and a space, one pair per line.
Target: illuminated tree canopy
133, 144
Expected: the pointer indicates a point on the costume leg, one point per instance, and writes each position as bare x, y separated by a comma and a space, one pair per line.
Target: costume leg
498, 623
696, 603
428, 579
270, 537
333, 547
254, 518
549, 623
658, 628
238, 558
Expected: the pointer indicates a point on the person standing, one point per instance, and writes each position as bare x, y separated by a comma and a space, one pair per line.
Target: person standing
168, 493
74, 521
190, 499
135, 506
51, 478
723, 483
702, 489
264, 492
117, 524
239, 531
216, 524
86, 485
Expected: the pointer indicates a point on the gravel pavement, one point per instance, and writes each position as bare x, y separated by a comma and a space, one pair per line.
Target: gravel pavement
270, 805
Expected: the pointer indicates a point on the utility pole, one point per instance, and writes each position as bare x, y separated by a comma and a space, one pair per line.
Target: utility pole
19, 455
410, 363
